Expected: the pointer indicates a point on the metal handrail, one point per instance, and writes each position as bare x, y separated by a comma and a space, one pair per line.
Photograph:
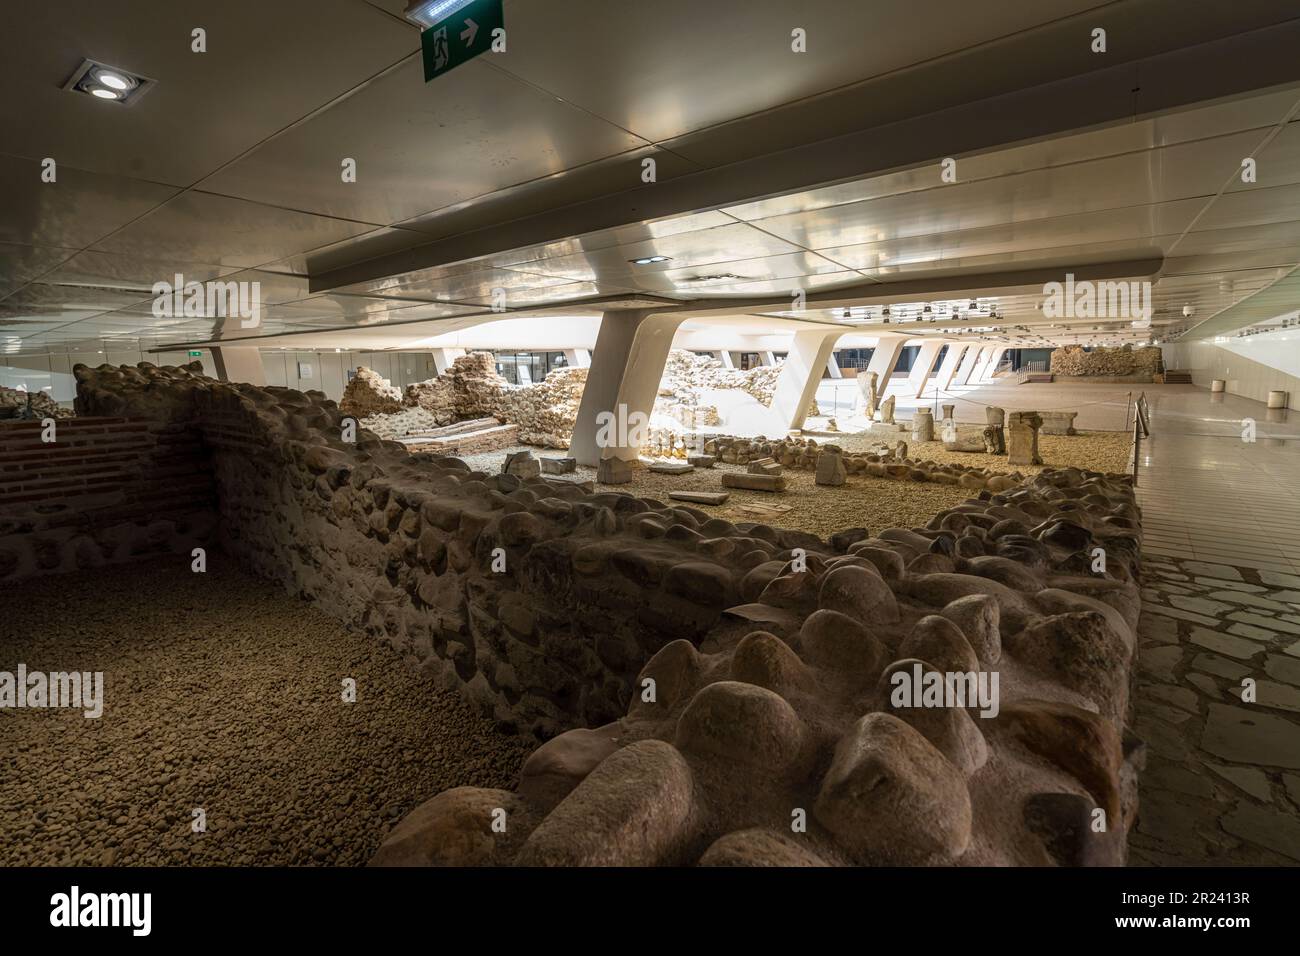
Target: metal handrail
1141, 428
1030, 368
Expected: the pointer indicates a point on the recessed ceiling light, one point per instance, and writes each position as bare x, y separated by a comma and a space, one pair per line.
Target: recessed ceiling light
111, 83
114, 81
648, 260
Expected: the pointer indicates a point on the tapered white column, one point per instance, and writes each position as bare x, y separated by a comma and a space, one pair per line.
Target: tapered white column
577, 358
884, 358
994, 361
631, 352
239, 365
968, 362
443, 358
948, 368
796, 387
923, 366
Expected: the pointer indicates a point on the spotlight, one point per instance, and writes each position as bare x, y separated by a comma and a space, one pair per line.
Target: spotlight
648, 260
106, 82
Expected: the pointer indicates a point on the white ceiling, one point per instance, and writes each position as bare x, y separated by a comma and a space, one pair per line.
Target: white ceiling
230, 166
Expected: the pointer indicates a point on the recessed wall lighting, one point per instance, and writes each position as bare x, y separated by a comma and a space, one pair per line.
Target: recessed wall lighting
111, 83
648, 260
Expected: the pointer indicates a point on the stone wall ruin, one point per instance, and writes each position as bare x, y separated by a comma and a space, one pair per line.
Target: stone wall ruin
771, 652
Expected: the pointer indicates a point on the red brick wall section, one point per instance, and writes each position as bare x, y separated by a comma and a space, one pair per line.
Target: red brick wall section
106, 490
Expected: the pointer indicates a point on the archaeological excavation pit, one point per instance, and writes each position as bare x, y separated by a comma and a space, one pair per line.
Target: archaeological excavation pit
514, 441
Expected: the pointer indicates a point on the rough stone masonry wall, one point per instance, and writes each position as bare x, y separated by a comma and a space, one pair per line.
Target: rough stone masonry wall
1072, 360
782, 715
771, 666
105, 490
545, 411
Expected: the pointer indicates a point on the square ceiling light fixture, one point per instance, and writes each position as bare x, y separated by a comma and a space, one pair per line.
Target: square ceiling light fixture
425, 13
109, 83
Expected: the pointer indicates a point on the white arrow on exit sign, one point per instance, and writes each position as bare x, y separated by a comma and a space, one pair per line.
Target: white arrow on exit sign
469, 33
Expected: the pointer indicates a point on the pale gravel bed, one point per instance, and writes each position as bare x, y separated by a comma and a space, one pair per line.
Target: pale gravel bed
871, 503
222, 693
1091, 451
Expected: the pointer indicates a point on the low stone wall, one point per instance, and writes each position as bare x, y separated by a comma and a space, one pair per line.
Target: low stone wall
15, 402
737, 677
777, 740
106, 490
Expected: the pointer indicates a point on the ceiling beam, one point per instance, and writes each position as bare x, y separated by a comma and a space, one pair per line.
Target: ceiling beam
1218, 68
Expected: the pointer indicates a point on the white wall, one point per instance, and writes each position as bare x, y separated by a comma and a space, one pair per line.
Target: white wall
329, 369
1273, 363
53, 373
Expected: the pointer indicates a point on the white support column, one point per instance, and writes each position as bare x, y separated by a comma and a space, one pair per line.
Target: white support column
994, 361
239, 365
769, 358
631, 352
923, 366
885, 357
981, 366
796, 386
727, 361
833, 367
967, 365
577, 358
951, 360
443, 358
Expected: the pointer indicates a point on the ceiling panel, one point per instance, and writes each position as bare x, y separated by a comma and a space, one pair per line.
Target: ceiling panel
266, 66
200, 227
74, 210
666, 68
21, 263
422, 147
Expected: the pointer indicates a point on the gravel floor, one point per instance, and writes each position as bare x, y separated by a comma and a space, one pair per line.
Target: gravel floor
221, 693
1094, 451
871, 503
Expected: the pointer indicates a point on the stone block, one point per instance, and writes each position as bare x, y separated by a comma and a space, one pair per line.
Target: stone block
701, 461
521, 464
1023, 447
923, 425
830, 469
700, 497
1058, 423
614, 471
753, 482
558, 466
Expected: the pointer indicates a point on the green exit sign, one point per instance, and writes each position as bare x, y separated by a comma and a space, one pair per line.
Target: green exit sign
461, 36
194, 354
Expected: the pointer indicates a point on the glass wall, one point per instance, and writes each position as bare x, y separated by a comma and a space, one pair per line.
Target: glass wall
528, 368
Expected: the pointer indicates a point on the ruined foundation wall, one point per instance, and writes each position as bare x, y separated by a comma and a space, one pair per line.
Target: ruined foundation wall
104, 491
770, 667
1123, 362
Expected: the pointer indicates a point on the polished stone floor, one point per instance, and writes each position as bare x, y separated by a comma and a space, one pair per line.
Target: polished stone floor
1218, 692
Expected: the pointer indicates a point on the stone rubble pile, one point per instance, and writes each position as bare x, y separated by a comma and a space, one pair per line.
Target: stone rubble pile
1124, 361
369, 393
725, 691
14, 403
